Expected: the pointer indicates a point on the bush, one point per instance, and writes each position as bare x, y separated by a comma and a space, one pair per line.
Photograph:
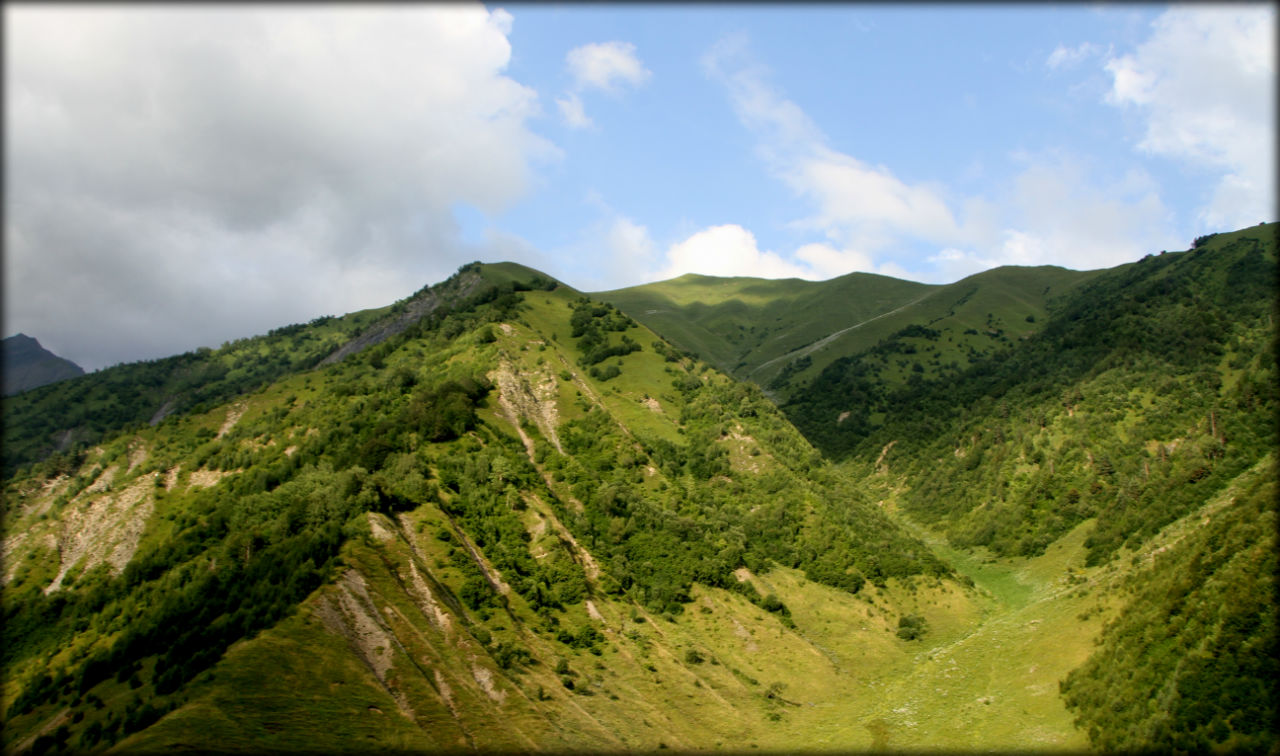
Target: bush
911, 627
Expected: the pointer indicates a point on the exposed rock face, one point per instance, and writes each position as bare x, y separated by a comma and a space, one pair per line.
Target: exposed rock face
529, 397
28, 365
102, 526
425, 303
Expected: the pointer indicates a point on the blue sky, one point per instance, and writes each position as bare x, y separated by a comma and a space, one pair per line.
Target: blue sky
220, 171
967, 104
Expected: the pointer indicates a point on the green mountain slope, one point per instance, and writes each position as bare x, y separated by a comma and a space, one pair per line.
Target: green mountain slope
739, 324
1191, 663
1149, 399
73, 416
781, 334
1148, 383
465, 530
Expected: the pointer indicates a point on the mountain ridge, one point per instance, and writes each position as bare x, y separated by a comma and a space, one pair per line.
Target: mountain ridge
763, 330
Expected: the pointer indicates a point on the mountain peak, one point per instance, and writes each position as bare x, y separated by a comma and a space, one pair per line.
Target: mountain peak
28, 365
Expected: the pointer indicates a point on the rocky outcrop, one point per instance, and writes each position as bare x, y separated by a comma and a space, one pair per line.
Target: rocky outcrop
422, 304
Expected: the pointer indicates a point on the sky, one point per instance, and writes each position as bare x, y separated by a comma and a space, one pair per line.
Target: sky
179, 176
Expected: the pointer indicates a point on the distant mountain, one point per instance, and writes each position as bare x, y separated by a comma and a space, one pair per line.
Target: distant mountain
780, 334
750, 327
28, 365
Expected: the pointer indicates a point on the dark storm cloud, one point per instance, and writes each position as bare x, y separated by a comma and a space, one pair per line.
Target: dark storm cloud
178, 175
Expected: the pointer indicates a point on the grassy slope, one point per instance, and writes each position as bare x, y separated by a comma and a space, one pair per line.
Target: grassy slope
755, 328
996, 685
737, 324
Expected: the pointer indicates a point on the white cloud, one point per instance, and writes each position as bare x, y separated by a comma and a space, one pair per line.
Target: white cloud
606, 66
632, 252
629, 240
172, 169
857, 205
1067, 57
869, 205
1059, 212
572, 112
1059, 209
828, 262
731, 250
785, 131
1205, 83
728, 250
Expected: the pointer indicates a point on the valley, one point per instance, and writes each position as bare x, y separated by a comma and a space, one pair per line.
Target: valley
1031, 510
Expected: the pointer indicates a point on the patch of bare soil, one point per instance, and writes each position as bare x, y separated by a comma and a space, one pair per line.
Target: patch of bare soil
426, 600
104, 529
205, 478
137, 454
103, 481
530, 397
420, 591
380, 531
349, 612
742, 633
746, 442
883, 468
234, 413
446, 693
12, 543
484, 678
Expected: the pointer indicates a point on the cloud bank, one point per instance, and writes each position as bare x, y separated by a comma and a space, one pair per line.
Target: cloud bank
185, 175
